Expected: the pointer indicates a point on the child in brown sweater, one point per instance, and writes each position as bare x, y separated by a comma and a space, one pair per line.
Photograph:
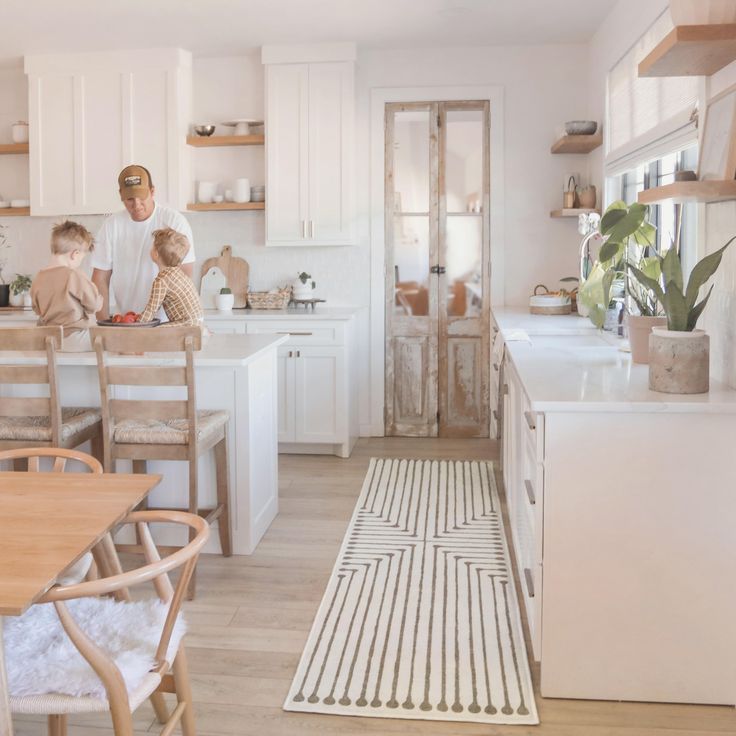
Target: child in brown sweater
172, 289
61, 294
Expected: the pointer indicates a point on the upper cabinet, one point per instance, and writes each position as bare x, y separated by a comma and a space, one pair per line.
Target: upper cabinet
310, 110
92, 114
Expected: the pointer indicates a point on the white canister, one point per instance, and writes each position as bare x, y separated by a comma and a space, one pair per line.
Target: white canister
242, 128
241, 191
224, 302
206, 191
20, 132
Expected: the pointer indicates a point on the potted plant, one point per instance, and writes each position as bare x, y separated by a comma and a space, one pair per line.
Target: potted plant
303, 286
679, 355
628, 241
19, 290
225, 300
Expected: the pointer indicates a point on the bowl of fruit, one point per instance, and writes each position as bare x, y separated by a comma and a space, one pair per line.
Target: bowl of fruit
129, 319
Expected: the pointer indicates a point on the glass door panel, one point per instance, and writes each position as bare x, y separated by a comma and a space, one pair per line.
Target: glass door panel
411, 265
464, 264
411, 152
464, 161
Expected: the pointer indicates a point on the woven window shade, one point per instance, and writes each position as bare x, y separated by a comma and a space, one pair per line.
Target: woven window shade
650, 116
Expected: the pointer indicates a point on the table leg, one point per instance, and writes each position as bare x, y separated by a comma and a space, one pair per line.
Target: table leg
6, 722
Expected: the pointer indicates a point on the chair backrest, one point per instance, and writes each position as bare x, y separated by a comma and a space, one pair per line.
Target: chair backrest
26, 371
156, 571
60, 456
133, 368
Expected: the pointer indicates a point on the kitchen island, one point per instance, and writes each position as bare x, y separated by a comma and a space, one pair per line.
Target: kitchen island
621, 509
233, 372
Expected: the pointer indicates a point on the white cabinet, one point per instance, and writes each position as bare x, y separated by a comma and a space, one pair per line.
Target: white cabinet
309, 152
317, 384
92, 114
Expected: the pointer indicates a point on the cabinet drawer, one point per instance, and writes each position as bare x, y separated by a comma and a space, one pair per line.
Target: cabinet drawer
305, 334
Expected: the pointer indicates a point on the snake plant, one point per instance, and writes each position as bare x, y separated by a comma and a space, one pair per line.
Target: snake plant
680, 301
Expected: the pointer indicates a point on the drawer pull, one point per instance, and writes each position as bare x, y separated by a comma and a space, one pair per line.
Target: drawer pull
495, 367
495, 414
529, 580
505, 389
294, 333
530, 420
291, 353
530, 492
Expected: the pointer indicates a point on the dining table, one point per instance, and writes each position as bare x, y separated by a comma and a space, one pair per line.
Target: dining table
47, 522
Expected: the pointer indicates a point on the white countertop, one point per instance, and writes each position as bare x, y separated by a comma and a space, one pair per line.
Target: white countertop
566, 367
230, 351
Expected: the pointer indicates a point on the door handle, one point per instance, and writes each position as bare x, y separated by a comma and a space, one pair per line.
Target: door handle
437, 269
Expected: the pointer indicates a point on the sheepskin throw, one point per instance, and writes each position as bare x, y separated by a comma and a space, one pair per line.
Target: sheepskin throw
40, 658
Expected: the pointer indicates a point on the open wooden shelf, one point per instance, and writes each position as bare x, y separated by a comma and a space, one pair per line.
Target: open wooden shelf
577, 143
689, 51
6, 148
690, 191
220, 206
14, 211
572, 212
200, 141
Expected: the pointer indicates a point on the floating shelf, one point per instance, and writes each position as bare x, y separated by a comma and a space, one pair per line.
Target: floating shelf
689, 51
577, 143
572, 212
14, 211
220, 206
690, 191
200, 141
7, 148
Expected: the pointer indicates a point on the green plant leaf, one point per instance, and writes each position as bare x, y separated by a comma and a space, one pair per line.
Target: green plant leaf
672, 268
702, 271
620, 227
650, 283
695, 312
611, 218
675, 307
609, 251
646, 235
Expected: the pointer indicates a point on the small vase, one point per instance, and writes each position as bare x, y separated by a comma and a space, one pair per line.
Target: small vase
16, 300
4, 295
679, 361
639, 330
27, 301
224, 302
587, 198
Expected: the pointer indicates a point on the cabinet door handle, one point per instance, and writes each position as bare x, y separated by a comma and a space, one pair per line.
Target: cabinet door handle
294, 333
311, 228
505, 388
304, 229
530, 492
291, 353
495, 414
530, 420
298, 353
529, 579
495, 367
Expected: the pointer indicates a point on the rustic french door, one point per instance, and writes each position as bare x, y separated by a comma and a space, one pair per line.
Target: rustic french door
437, 269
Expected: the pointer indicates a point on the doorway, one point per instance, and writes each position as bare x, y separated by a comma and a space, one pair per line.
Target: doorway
437, 198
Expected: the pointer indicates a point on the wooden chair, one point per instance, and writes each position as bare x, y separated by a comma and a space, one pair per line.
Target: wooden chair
154, 429
115, 621
30, 421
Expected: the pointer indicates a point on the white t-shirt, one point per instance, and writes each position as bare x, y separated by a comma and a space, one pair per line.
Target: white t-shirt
124, 247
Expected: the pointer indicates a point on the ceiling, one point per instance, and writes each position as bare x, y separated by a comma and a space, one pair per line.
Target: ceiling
225, 27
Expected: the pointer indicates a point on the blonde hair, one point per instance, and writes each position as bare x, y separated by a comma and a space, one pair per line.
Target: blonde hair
171, 246
69, 236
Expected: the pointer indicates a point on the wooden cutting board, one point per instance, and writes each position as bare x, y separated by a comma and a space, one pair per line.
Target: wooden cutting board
236, 273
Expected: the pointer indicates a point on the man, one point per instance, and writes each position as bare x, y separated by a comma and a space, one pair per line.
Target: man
121, 259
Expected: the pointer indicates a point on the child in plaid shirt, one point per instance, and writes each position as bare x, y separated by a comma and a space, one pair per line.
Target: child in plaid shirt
172, 289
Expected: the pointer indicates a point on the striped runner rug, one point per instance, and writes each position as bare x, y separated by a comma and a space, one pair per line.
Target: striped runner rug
420, 617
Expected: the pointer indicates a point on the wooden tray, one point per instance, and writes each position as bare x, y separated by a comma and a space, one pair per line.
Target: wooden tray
109, 323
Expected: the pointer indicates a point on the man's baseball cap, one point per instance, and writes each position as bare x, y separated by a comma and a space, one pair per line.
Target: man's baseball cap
134, 181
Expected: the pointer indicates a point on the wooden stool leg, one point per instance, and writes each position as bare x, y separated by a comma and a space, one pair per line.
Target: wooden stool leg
57, 725
97, 448
223, 495
184, 692
159, 706
193, 509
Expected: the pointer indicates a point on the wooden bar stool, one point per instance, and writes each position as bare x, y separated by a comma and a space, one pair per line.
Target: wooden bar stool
32, 421
155, 429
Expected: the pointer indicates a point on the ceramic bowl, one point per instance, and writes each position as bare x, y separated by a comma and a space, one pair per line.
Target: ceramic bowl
4, 205
204, 130
581, 127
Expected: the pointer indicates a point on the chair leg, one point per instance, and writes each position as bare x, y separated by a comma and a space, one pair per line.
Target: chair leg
159, 706
184, 692
223, 495
97, 449
193, 509
57, 725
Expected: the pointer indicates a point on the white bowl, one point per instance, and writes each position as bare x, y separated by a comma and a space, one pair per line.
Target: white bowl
20, 202
581, 127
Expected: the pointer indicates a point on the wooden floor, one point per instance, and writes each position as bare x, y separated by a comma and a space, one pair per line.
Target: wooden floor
252, 616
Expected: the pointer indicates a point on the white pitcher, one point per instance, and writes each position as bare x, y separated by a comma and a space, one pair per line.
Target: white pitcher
241, 191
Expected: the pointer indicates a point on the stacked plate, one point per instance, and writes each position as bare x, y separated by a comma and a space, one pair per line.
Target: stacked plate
258, 194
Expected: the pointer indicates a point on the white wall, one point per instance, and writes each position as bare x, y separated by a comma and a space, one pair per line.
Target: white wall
543, 87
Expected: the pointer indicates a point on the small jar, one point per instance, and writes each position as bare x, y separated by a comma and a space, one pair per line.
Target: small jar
20, 132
